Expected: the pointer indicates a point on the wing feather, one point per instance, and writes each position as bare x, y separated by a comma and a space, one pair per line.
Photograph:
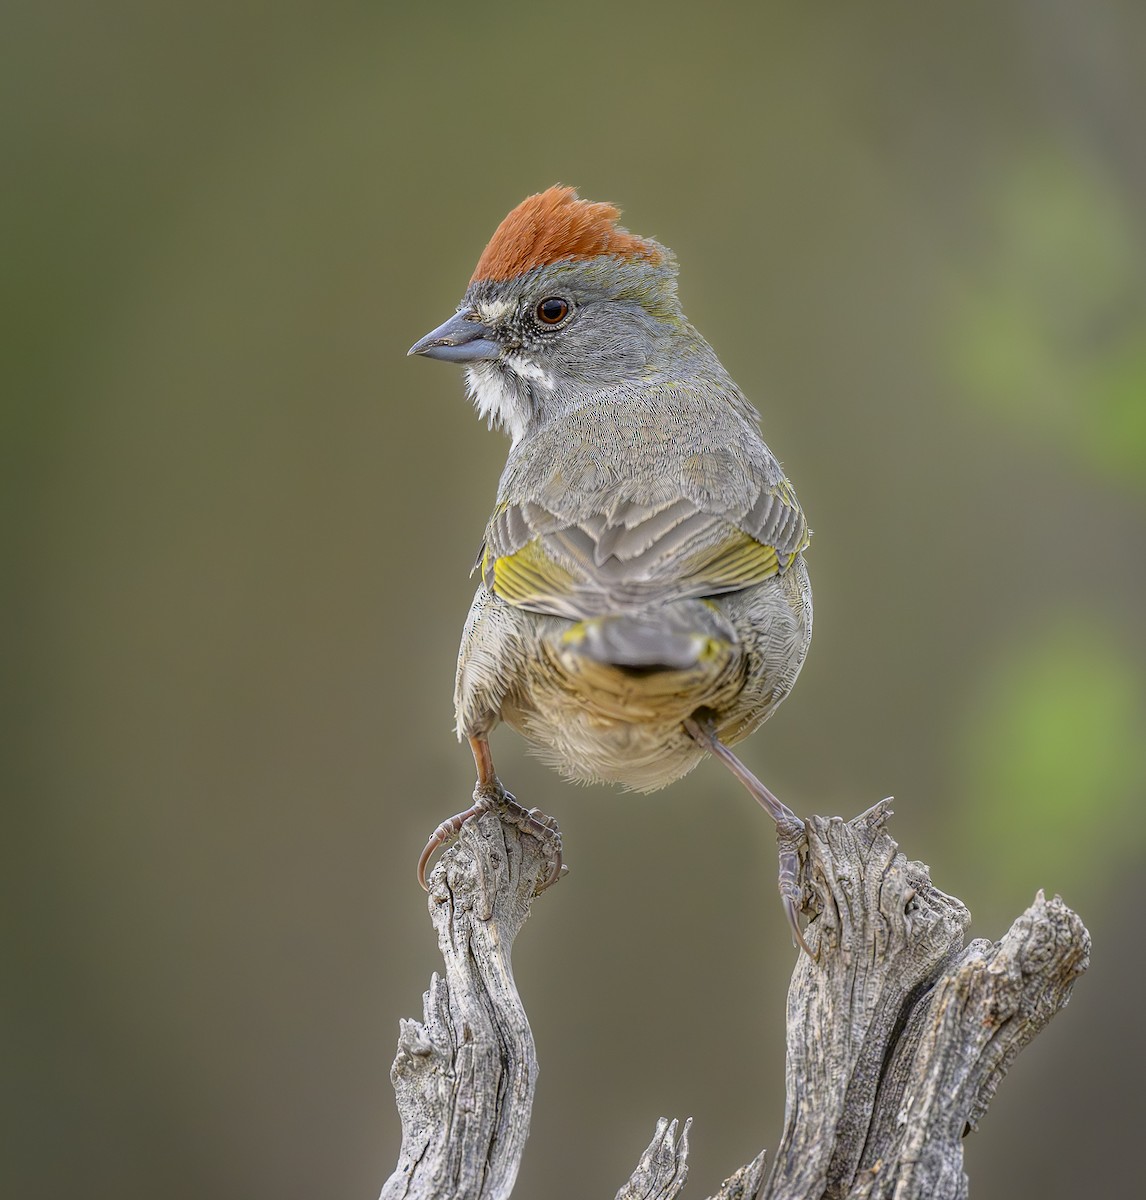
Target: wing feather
635, 554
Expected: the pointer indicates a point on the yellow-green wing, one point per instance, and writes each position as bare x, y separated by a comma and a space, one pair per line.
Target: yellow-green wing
637, 554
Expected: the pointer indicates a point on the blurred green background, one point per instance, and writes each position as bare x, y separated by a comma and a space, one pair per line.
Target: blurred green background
239, 526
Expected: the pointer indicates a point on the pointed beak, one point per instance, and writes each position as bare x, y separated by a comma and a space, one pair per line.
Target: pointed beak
461, 339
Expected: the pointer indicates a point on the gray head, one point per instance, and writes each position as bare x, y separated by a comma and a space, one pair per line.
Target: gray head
564, 302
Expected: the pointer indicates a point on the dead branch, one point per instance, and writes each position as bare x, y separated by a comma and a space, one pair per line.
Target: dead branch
898, 1034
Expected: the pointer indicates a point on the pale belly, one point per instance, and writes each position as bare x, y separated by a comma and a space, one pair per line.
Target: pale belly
608, 724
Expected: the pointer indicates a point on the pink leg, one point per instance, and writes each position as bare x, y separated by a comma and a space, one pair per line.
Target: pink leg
489, 795
789, 827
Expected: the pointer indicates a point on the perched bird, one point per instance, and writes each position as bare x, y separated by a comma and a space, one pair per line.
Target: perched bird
643, 598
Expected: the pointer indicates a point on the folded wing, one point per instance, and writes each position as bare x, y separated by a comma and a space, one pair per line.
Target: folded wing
634, 555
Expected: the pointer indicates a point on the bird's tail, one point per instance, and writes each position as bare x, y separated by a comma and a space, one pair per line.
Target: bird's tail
651, 662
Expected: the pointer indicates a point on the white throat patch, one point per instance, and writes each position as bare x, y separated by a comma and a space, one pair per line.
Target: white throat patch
499, 399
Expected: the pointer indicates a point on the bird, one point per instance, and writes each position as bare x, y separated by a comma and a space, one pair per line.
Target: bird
644, 600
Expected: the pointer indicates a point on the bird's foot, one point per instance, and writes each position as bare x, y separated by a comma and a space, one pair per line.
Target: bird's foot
492, 797
789, 839
539, 825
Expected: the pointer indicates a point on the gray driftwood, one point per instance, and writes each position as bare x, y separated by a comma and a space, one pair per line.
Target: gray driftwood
898, 1034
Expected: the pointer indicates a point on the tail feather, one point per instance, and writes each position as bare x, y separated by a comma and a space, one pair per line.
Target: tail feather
642, 645
653, 665
671, 637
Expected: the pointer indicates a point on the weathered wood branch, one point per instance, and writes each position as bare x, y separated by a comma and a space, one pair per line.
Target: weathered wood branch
898, 1034
464, 1074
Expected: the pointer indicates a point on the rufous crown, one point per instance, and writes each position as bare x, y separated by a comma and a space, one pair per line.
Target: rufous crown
557, 226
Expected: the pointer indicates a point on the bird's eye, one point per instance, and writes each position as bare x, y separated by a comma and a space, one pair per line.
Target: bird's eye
552, 310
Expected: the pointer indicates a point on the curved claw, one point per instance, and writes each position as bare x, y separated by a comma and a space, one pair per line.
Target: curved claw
445, 832
544, 828
555, 870
792, 912
789, 835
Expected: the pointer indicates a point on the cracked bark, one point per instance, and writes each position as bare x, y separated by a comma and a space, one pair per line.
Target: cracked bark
898, 1033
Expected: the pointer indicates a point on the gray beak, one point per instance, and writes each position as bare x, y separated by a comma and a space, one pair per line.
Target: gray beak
461, 339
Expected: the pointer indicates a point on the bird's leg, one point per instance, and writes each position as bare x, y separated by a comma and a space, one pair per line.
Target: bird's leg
490, 796
789, 827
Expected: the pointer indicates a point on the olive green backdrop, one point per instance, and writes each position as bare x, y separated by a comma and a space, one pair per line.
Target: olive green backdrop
240, 524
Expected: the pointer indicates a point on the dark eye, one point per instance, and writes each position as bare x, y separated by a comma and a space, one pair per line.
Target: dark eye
552, 310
